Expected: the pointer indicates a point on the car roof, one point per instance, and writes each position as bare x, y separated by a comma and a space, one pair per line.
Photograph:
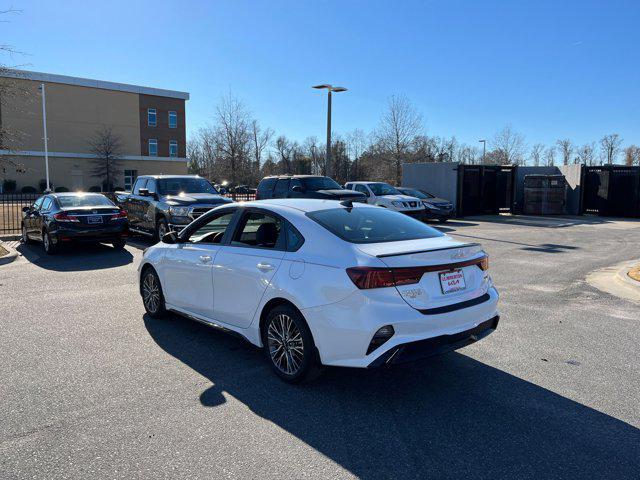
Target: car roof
72, 194
301, 204
169, 176
362, 182
295, 176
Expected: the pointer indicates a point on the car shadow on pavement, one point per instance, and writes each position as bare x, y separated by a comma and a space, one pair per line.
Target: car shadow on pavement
80, 257
449, 417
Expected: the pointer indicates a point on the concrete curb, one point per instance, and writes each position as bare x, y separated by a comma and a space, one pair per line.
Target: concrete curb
615, 281
10, 257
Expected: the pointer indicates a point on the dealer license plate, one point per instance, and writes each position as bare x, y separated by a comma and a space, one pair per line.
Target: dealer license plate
452, 281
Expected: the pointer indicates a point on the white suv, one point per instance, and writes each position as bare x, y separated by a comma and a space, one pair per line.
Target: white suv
385, 195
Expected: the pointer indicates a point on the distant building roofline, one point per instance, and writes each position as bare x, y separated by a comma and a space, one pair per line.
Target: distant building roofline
87, 82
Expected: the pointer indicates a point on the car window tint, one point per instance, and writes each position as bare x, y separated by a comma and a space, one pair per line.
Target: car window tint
213, 230
281, 188
372, 225
320, 183
294, 238
92, 200
151, 186
46, 205
140, 183
259, 230
363, 189
380, 189
265, 188
295, 182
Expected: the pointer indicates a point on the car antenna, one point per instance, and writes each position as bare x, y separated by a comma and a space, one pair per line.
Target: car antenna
347, 203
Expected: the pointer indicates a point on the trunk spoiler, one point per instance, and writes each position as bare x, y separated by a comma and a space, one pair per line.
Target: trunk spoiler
466, 245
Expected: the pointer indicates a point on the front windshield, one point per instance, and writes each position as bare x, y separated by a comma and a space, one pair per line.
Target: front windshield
175, 186
73, 201
379, 189
320, 183
414, 193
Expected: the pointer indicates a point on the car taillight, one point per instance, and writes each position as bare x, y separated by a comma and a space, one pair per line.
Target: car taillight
375, 277
64, 217
120, 214
371, 277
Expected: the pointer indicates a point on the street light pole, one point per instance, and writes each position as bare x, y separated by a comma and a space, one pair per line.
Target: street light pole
44, 128
330, 90
484, 149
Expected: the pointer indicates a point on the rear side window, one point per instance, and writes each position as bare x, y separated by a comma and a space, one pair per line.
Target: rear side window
259, 230
265, 189
372, 225
294, 238
362, 189
46, 205
281, 188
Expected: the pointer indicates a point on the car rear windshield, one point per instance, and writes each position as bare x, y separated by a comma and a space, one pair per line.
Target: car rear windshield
372, 225
320, 183
175, 186
84, 201
379, 189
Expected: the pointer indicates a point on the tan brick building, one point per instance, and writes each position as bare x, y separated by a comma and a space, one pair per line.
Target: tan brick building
149, 122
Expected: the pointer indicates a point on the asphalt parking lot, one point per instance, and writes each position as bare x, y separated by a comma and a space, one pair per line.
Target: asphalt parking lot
92, 388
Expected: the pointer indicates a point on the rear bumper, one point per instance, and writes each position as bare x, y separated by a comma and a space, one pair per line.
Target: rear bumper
107, 234
414, 351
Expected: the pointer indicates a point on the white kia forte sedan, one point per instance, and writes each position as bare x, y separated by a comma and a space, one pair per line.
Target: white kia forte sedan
322, 282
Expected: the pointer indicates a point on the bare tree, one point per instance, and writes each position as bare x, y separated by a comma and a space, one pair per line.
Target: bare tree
550, 156
284, 148
508, 146
566, 149
233, 136
632, 155
316, 154
356, 144
537, 152
399, 126
610, 145
586, 154
260, 141
107, 147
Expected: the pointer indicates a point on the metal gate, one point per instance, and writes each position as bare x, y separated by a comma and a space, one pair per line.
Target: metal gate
485, 189
611, 190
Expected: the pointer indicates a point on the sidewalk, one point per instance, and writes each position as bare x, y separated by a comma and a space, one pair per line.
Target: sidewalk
616, 280
8, 251
634, 273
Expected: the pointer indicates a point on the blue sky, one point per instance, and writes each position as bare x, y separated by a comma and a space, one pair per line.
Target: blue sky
551, 69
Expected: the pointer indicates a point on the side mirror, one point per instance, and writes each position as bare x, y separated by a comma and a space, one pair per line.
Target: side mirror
26, 209
170, 238
297, 188
144, 192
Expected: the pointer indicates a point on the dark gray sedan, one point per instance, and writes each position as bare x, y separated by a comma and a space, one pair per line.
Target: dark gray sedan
434, 208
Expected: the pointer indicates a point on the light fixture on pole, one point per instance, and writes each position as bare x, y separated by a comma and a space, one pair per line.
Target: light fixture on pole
330, 89
44, 128
484, 149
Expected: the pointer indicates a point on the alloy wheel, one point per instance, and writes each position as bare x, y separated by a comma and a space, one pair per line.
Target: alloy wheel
162, 230
286, 347
46, 241
151, 293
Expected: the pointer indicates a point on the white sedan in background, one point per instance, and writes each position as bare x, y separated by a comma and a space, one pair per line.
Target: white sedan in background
322, 282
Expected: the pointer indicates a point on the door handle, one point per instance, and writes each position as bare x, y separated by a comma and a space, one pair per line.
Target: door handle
205, 258
265, 266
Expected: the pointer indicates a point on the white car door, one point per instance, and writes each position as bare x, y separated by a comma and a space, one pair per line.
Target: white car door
244, 268
187, 268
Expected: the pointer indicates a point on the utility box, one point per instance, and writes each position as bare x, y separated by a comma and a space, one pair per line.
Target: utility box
545, 195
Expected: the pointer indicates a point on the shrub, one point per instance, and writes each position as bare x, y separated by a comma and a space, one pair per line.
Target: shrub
29, 189
62, 189
42, 184
9, 186
94, 189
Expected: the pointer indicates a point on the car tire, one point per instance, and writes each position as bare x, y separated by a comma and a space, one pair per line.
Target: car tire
289, 346
161, 229
151, 291
119, 244
49, 247
25, 238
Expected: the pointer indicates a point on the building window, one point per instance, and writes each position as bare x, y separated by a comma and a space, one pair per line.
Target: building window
153, 147
129, 178
173, 120
173, 148
152, 119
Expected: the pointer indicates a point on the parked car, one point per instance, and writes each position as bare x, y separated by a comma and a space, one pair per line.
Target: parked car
317, 282
243, 190
385, 195
435, 208
159, 203
59, 218
304, 186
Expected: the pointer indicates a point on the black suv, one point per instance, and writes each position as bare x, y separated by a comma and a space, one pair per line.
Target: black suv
160, 203
305, 186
